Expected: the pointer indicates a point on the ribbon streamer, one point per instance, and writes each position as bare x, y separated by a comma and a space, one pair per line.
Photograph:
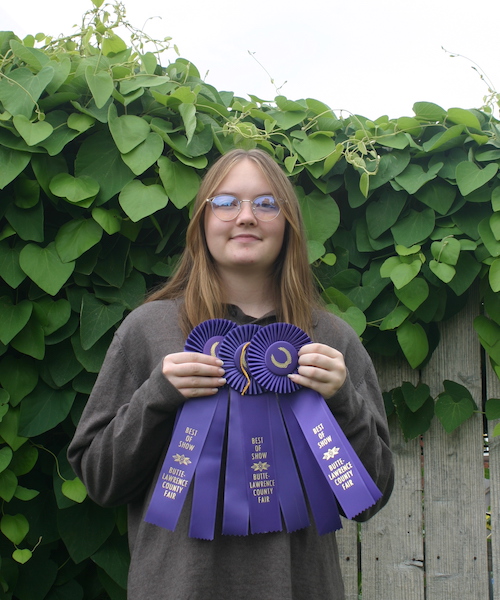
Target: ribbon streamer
194, 420
273, 355
271, 420
251, 442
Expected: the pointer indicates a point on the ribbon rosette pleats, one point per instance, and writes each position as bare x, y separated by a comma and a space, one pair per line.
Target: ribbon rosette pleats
274, 426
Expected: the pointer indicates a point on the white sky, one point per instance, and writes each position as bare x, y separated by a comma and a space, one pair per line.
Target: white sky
371, 57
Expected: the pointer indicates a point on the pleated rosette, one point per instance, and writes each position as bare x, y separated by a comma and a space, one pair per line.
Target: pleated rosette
262, 484
273, 355
207, 336
196, 446
330, 469
233, 352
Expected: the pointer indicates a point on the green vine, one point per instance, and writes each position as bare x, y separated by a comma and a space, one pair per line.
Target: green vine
102, 151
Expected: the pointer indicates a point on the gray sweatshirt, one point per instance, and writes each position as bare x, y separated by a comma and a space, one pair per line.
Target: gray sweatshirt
122, 438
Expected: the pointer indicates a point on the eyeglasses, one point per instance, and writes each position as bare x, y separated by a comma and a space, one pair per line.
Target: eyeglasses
226, 207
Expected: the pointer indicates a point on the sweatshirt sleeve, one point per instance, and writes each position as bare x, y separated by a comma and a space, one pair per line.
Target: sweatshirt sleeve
128, 420
359, 409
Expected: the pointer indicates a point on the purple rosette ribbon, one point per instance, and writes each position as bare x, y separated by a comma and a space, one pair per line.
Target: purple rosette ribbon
271, 357
261, 475
251, 490
196, 445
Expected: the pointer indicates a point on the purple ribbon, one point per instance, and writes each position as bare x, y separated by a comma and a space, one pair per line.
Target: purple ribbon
188, 439
273, 355
180, 463
261, 480
258, 442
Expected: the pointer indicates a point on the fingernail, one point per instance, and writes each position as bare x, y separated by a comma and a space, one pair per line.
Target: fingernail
222, 381
219, 362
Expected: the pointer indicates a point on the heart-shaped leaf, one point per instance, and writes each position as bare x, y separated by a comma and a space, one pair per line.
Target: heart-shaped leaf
470, 177
74, 490
315, 250
414, 293
452, 412
20, 98
413, 342
443, 271
414, 177
403, 273
5, 457
109, 220
76, 237
100, 84
446, 251
180, 182
414, 227
14, 318
415, 423
10, 271
13, 163
352, 315
24, 460
22, 556
97, 318
128, 131
52, 315
25, 494
139, 200
32, 133
8, 485
18, 376
145, 154
395, 318
44, 409
14, 527
84, 528
74, 189
45, 268
415, 397
321, 215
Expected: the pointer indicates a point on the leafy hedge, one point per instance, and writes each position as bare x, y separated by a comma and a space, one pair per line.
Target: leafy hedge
101, 154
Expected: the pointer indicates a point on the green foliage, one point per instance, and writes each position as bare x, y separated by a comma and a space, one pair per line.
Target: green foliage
102, 151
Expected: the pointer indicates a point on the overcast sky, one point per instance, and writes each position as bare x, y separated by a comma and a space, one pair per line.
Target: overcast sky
367, 57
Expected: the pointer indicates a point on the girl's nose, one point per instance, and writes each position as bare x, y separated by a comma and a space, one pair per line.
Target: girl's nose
246, 214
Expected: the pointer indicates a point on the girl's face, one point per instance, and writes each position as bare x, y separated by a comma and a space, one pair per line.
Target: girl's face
245, 243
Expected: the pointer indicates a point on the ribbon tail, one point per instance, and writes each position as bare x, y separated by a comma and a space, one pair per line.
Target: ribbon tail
236, 510
290, 492
260, 464
321, 498
333, 454
367, 478
207, 475
176, 474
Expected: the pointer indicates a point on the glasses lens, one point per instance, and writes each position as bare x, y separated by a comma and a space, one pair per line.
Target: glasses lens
266, 208
225, 207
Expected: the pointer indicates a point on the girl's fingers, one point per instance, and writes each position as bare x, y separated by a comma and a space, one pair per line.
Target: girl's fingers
194, 374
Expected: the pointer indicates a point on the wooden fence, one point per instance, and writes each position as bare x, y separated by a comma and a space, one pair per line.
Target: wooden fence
431, 541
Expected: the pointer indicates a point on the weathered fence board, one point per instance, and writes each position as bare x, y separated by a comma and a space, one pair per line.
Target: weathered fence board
392, 544
430, 541
454, 515
493, 391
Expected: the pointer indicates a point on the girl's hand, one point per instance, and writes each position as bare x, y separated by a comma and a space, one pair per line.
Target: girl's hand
194, 374
321, 368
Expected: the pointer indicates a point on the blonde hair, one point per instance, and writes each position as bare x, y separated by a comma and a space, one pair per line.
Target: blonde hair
196, 279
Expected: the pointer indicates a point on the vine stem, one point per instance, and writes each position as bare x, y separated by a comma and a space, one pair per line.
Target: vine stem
55, 459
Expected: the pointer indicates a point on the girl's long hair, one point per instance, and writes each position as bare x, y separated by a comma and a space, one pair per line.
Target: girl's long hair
196, 279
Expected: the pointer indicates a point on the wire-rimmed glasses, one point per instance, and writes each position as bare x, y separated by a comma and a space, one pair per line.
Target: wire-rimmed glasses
227, 207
